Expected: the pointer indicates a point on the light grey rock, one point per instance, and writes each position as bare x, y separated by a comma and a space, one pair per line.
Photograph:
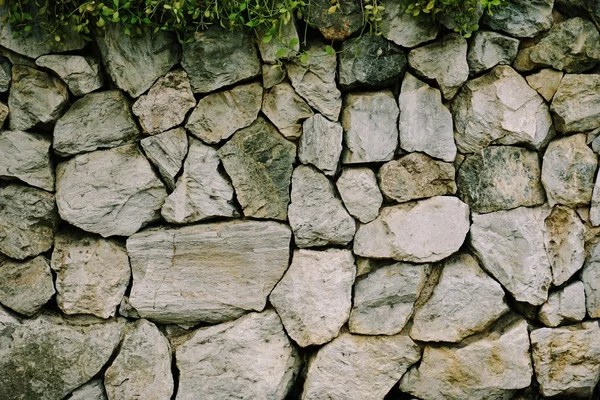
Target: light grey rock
5, 74
370, 127
489, 49
126, 309
96, 121
564, 305
81, 74
112, 192
492, 367
510, 245
166, 103
202, 192
576, 104
360, 193
166, 151
384, 298
595, 204
93, 390
36, 98
359, 367
92, 274
321, 144
444, 61
210, 272
521, 18
26, 157
464, 302
286, 34
4, 112
317, 217
546, 81
273, 75
565, 235
286, 110
142, 369
590, 276
421, 231
314, 297
425, 123
404, 29
25, 286
28, 219
219, 115
500, 108
233, 347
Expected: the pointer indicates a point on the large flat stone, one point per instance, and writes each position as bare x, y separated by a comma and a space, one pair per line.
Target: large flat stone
489, 49
404, 29
360, 193
576, 104
81, 74
26, 157
286, 109
321, 144
521, 18
565, 243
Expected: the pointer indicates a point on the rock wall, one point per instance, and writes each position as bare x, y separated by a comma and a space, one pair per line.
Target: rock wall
414, 217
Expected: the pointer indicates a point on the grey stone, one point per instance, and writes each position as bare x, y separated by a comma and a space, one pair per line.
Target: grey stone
360, 193
580, 8
321, 144
576, 104
5, 74
404, 29
286, 110
521, 18
316, 216
489, 49
421, 231
564, 243
96, 121
370, 127
110, 192
273, 75
93, 390
259, 162
564, 305
26, 157
4, 112
339, 25
590, 276
546, 82
81, 74
166, 151
285, 38
206, 272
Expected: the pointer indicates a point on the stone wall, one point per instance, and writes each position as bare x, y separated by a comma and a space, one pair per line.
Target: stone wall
414, 217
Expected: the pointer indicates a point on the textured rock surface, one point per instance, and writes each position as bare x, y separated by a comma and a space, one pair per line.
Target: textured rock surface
546, 82
347, 20
565, 305
81, 74
489, 49
286, 110
4, 111
360, 193
166, 151
286, 34
26, 157
93, 390
522, 18
590, 276
5, 74
405, 30
564, 243
576, 104
321, 144
273, 76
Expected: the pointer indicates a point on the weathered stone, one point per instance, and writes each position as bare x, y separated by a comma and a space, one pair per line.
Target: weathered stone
166, 151
4, 112
28, 219
444, 61
493, 367
565, 305
25, 286
404, 29
96, 121
110, 192
26, 157
92, 274
321, 144
202, 192
488, 110
314, 297
286, 110
465, 301
521, 18
219, 115
564, 243
370, 128
210, 272
510, 245
81, 74
384, 299
36, 98
489, 49
285, 38
360, 193
93, 390
135, 62
259, 162
166, 103
421, 231
5, 74
142, 369
580, 8
567, 359
273, 75
218, 57
339, 25
546, 82
425, 123
590, 276
501, 178
576, 104
233, 347
359, 367
316, 216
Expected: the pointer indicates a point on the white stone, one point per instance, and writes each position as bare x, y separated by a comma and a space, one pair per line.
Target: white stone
563, 306
360, 193
321, 144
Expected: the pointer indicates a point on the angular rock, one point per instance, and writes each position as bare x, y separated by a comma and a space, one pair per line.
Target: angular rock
565, 305
421, 231
425, 123
210, 272
521, 18
360, 193
564, 243
590, 276
112, 192
81, 74
166, 151
321, 144
489, 49
384, 299
286, 35
316, 216
576, 104
166, 103
581, 8
202, 192
93, 390
218, 57
546, 82
26, 157
5, 74
4, 111
339, 25
92, 274
28, 219
96, 121
36, 98
233, 347
273, 75
370, 127
259, 162
404, 29
25, 286
142, 369
286, 110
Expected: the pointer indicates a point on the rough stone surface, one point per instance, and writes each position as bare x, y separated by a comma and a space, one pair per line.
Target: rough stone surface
81, 74
233, 347
26, 157
166, 151
564, 243
4, 112
96, 192
522, 18
286, 34
565, 305
273, 75
93, 390
96, 121
92, 274
316, 216
404, 29
314, 297
546, 82
489, 49
360, 193
343, 23
286, 110
259, 162
209, 272
5, 74
576, 104
582, 8
321, 144
590, 276
422, 231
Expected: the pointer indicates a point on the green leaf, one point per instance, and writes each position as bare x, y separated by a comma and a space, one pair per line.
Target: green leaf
116, 3
329, 50
101, 22
281, 52
294, 42
304, 58
267, 39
